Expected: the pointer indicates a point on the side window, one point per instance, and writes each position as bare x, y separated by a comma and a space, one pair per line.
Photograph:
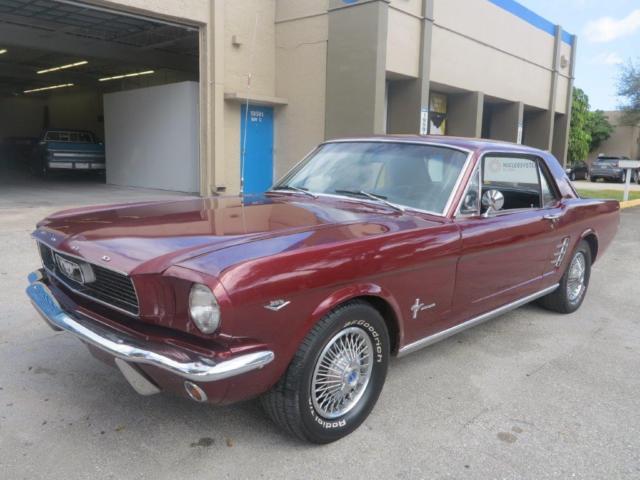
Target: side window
470, 204
549, 197
517, 178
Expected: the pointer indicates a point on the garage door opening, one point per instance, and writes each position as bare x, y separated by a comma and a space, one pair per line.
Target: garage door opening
94, 95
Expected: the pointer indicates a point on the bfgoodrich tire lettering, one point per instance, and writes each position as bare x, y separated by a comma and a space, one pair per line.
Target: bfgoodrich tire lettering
293, 403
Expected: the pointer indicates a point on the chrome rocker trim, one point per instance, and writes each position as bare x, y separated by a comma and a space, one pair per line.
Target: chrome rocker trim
183, 363
436, 337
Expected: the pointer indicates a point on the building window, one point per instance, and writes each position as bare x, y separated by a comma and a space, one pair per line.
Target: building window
437, 113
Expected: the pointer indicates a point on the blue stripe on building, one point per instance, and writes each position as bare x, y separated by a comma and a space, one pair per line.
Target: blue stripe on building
532, 18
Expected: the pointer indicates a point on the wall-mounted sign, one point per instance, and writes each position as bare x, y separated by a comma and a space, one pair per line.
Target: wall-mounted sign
424, 121
519, 141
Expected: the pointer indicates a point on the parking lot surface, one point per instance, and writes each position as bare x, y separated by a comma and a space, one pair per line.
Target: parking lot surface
532, 394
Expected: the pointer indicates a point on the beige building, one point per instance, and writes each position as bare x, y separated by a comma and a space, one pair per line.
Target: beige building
623, 142
321, 69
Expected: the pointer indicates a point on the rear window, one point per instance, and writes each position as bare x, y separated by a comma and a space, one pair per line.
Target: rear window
76, 137
607, 161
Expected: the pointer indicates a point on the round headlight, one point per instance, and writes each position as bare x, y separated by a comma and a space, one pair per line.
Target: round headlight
204, 308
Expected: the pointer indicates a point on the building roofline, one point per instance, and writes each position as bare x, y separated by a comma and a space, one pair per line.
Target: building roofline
532, 18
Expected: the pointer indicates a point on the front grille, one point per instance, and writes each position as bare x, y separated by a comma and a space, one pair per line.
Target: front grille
109, 287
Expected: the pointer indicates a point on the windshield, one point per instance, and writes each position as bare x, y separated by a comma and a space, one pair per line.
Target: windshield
411, 175
607, 161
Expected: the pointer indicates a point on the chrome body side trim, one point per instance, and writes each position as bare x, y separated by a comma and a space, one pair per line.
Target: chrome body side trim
178, 361
436, 337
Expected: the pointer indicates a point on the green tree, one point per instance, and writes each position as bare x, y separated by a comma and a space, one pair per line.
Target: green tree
579, 137
599, 128
629, 90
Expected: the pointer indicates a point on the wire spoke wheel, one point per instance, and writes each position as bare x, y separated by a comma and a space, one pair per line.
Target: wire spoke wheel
342, 372
576, 277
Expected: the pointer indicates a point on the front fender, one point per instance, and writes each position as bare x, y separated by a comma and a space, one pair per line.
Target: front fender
359, 290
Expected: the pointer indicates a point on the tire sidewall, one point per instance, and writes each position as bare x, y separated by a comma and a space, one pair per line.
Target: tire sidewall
582, 247
319, 429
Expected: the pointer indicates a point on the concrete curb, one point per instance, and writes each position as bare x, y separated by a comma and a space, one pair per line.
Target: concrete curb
630, 203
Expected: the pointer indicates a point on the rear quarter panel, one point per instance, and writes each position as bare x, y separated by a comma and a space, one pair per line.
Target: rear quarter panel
583, 218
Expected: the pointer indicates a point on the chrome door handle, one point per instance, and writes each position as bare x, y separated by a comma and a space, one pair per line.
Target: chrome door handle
552, 216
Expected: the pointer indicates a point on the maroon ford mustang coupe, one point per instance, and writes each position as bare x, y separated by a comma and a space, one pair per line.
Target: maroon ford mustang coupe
369, 247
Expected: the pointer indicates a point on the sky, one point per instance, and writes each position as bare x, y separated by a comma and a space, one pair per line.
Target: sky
608, 36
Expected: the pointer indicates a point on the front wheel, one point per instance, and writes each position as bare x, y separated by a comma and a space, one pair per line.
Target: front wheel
572, 176
335, 378
623, 177
569, 295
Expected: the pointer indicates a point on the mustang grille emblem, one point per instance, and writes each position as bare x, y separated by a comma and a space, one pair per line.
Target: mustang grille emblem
419, 307
80, 273
276, 305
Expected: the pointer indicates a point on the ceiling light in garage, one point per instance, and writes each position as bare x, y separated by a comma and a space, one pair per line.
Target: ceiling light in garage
3, 50
62, 67
126, 75
51, 87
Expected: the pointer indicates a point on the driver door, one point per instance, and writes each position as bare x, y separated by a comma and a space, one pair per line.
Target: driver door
504, 253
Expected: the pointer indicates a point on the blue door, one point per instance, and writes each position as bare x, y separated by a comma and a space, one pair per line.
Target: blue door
258, 156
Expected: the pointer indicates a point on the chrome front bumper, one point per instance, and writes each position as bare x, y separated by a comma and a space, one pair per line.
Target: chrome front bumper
176, 360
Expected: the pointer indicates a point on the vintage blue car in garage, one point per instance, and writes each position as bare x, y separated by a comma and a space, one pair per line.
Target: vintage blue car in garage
67, 150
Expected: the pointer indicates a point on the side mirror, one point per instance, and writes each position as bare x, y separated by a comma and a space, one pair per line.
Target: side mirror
493, 201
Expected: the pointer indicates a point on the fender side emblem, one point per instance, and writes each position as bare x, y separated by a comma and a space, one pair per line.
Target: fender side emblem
419, 307
276, 305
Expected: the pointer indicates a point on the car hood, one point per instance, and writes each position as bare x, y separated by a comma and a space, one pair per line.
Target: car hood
149, 237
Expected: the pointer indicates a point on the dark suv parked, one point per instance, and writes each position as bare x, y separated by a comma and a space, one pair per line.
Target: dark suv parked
607, 168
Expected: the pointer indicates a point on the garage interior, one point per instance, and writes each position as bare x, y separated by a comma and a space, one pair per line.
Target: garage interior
132, 81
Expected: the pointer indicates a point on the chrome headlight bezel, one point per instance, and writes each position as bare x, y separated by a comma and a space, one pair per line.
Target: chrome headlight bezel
204, 309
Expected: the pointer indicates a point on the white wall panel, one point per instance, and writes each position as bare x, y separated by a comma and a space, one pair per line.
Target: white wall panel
151, 137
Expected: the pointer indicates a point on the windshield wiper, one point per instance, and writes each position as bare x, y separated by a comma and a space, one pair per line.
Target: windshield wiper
295, 189
372, 196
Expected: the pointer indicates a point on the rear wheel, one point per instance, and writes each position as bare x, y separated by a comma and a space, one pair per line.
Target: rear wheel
335, 378
569, 295
623, 177
572, 176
